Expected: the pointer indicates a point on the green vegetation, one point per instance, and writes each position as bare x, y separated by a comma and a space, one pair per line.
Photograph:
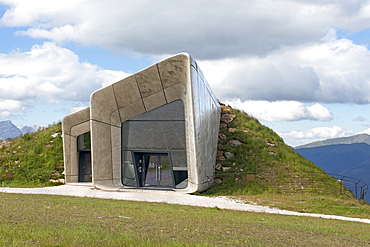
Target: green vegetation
41, 220
283, 178
262, 152
33, 159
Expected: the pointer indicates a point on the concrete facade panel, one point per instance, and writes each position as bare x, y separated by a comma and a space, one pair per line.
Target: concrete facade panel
102, 104
175, 92
102, 153
126, 91
174, 70
116, 153
148, 81
115, 119
74, 119
155, 100
132, 110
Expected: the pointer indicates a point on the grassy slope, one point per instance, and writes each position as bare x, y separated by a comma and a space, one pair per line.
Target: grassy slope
262, 151
33, 158
42, 220
37, 152
285, 169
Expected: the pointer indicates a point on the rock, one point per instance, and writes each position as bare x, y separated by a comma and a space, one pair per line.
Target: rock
228, 155
218, 166
225, 169
223, 126
218, 180
233, 129
219, 152
221, 158
222, 136
273, 154
270, 144
225, 108
6, 144
55, 135
235, 143
227, 118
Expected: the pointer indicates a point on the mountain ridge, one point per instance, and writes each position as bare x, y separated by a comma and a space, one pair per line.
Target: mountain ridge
9, 130
350, 160
360, 138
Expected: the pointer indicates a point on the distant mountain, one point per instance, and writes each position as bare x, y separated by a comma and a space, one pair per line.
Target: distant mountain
9, 130
352, 159
361, 138
28, 129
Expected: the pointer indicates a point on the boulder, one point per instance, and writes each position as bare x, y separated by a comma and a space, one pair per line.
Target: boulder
222, 136
235, 143
227, 118
225, 169
273, 154
218, 166
228, 155
221, 158
225, 108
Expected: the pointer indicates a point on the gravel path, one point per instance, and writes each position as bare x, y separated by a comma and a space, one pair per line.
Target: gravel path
167, 197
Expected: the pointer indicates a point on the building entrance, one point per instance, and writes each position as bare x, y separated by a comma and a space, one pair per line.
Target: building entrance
153, 170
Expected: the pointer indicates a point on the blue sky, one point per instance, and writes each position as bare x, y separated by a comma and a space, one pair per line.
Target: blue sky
300, 67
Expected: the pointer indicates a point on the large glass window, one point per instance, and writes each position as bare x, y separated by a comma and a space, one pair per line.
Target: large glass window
160, 130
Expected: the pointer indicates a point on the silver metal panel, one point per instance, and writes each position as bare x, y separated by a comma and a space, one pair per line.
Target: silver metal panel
206, 122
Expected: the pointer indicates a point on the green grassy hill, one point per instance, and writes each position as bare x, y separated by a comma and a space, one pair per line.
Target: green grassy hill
277, 167
246, 150
33, 159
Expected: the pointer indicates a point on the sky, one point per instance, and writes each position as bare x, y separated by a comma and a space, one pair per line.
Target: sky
300, 67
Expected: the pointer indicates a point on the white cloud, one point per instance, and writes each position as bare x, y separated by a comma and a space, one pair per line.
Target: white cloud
207, 30
330, 71
5, 114
49, 73
75, 109
282, 110
296, 138
10, 105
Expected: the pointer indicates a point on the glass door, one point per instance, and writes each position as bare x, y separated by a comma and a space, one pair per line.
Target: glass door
153, 170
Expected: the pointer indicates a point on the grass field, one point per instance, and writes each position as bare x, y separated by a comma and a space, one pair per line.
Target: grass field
42, 220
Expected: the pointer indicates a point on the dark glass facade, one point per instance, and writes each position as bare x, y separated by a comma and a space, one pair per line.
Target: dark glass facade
154, 148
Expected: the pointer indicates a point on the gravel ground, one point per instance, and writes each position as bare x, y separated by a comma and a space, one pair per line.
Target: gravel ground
167, 197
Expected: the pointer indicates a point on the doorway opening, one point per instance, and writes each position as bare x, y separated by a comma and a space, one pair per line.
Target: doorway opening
153, 170
84, 157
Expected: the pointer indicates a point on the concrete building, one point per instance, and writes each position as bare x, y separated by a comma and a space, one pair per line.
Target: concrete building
155, 129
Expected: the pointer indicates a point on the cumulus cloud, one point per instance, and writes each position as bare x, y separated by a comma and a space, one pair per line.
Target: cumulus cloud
283, 110
51, 74
218, 30
330, 71
296, 138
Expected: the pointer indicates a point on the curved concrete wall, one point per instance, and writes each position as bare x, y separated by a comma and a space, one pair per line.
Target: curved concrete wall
73, 125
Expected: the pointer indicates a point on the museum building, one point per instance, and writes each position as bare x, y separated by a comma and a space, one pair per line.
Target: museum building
156, 129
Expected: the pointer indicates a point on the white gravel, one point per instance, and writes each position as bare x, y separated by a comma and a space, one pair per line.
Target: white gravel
168, 197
